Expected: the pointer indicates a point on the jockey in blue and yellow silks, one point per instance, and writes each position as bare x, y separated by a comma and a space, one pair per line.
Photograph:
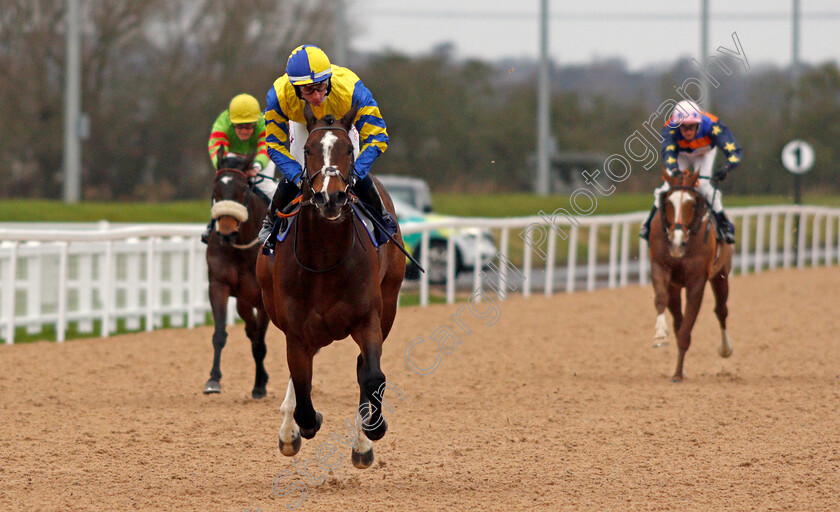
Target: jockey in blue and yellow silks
329, 89
691, 139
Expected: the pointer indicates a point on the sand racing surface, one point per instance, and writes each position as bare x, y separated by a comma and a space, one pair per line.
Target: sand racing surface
561, 404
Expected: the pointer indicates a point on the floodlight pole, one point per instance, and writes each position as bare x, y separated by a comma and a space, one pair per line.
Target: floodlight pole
72, 106
543, 106
704, 52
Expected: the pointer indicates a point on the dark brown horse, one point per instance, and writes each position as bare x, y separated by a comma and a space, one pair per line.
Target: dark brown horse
327, 281
684, 253
231, 265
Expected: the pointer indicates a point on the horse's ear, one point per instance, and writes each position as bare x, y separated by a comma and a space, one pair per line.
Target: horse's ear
220, 155
349, 117
693, 178
309, 115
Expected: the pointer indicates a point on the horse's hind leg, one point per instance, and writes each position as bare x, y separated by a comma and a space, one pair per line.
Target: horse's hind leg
289, 431
720, 287
255, 328
219, 294
362, 453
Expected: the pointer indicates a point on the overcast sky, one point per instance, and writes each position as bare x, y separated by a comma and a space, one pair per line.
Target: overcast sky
642, 33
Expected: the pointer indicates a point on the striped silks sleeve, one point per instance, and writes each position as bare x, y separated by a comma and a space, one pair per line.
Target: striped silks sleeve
373, 135
669, 148
218, 136
277, 133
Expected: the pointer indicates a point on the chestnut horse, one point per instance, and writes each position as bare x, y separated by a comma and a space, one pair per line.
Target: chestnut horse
327, 281
231, 265
684, 253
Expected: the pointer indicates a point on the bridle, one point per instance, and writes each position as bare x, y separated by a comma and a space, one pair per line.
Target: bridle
319, 200
246, 204
692, 227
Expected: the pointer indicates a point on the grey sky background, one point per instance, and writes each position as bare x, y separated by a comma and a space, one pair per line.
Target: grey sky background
651, 33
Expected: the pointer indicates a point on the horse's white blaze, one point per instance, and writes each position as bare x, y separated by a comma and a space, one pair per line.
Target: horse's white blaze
725, 349
678, 237
661, 329
226, 179
289, 429
327, 144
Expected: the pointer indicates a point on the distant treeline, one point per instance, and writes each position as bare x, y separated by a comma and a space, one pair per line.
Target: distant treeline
156, 74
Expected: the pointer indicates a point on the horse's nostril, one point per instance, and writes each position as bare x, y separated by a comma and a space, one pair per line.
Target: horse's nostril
320, 199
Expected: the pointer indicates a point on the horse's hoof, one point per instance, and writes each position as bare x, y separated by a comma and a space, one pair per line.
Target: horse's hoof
375, 433
676, 379
362, 460
309, 433
212, 386
725, 351
290, 449
257, 394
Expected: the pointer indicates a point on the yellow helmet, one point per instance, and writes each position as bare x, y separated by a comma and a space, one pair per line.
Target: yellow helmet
244, 108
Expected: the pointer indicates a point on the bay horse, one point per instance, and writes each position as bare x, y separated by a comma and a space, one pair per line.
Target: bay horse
231, 264
685, 253
327, 281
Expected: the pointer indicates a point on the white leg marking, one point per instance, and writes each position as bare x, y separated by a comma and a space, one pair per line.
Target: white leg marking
661, 329
725, 349
289, 429
363, 444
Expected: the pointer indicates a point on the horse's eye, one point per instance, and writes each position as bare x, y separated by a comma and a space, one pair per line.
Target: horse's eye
306, 151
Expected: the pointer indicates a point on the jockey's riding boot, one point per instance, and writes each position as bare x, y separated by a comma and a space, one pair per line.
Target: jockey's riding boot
644, 232
726, 227
285, 192
367, 192
205, 237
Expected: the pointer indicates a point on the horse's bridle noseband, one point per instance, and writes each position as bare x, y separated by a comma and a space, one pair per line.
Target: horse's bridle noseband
695, 219
330, 172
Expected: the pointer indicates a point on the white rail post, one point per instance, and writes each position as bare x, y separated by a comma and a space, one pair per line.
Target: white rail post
800, 255
424, 262
829, 240
592, 257
571, 264
612, 280
815, 241
10, 291
774, 240
505, 250
625, 254
84, 268
526, 263
643, 261
787, 257
150, 283
192, 293
61, 326
107, 288
450, 267
477, 263
745, 245
759, 242
550, 262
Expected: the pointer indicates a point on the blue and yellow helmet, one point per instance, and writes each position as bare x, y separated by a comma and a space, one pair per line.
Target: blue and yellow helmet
308, 65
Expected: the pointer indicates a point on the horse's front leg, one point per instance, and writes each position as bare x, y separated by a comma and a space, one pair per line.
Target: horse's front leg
371, 379
362, 453
219, 293
289, 431
255, 327
693, 300
661, 278
299, 359
720, 287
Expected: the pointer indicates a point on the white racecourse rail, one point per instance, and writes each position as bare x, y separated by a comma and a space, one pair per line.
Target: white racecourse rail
148, 276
